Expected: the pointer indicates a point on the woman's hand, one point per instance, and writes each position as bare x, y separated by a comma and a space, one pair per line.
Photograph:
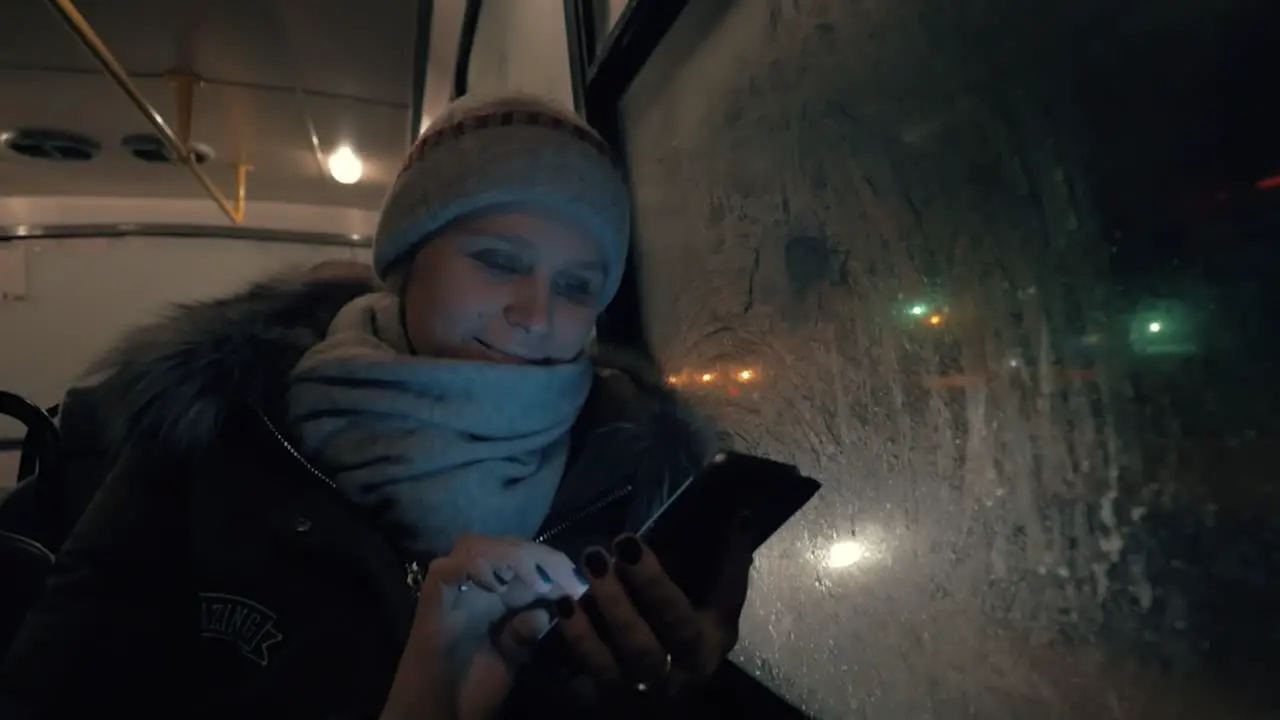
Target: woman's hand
453, 665
636, 626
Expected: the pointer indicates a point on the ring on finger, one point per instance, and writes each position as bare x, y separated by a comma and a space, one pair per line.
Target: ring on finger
666, 670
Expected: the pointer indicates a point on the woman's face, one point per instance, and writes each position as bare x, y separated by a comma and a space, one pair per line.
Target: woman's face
510, 287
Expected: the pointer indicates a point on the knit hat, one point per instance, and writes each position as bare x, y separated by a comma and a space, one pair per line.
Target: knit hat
489, 152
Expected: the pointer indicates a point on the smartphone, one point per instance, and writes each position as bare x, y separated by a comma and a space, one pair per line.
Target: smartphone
736, 496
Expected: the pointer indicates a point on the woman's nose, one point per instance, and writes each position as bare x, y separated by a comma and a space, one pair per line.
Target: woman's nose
530, 308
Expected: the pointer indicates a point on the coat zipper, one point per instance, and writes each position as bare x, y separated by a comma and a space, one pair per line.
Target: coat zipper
584, 514
414, 571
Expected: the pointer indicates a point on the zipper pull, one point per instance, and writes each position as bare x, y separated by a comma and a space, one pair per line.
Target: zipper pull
414, 575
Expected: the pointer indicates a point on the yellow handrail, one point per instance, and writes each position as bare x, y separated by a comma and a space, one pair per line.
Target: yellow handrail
179, 148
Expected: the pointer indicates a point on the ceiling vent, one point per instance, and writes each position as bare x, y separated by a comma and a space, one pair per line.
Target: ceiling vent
151, 149
47, 144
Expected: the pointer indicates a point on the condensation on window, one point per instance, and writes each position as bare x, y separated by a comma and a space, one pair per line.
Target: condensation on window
873, 244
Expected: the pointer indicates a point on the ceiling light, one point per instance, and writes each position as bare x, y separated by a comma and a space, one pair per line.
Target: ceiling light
345, 166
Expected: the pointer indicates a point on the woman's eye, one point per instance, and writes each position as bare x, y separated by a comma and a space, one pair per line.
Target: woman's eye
580, 290
499, 262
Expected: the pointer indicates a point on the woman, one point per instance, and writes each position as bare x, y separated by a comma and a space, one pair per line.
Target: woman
289, 461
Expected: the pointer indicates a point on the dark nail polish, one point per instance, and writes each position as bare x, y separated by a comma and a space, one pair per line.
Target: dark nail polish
565, 607
629, 549
583, 578
497, 576
597, 563
546, 577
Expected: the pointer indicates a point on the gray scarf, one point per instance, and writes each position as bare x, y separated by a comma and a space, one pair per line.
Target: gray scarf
436, 449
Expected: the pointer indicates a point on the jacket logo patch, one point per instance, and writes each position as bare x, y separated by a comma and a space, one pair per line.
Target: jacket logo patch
241, 621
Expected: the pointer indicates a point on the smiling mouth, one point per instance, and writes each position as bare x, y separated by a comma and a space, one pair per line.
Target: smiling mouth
506, 357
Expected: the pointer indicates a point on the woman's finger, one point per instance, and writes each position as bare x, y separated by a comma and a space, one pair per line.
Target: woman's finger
636, 647
564, 574
483, 573
521, 633
528, 560
502, 555
440, 586
661, 602
448, 604
583, 641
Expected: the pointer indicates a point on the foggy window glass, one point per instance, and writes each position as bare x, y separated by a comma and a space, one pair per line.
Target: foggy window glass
1000, 275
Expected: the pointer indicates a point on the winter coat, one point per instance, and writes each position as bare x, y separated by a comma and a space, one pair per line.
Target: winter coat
217, 573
